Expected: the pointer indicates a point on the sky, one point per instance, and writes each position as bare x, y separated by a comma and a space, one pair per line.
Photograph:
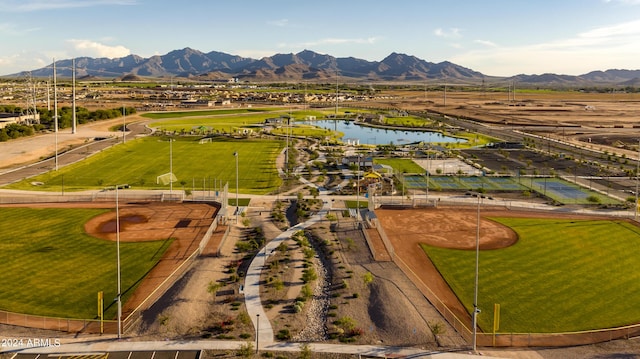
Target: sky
495, 37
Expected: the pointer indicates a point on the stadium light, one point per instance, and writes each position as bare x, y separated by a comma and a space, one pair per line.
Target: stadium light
358, 193
237, 206
475, 290
119, 296
635, 205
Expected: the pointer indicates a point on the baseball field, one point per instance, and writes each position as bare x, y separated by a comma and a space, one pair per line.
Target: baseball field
549, 272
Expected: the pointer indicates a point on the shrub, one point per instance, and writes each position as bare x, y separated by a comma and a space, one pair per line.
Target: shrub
306, 291
246, 350
308, 252
309, 275
367, 278
277, 284
283, 334
305, 351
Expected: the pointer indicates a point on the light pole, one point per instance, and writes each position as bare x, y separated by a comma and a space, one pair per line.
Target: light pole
635, 205
475, 290
257, 332
237, 206
428, 169
119, 296
358, 192
124, 123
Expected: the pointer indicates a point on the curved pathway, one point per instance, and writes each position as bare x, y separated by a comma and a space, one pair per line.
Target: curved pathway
252, 278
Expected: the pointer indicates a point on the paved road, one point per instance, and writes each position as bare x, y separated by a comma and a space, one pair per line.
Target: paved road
96, 141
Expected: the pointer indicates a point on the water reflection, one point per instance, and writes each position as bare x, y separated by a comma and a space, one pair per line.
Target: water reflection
378, 136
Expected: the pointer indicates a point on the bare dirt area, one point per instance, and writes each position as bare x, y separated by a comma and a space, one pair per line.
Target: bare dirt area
552, 108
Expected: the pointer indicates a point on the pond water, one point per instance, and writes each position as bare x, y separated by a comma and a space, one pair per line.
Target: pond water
380, 136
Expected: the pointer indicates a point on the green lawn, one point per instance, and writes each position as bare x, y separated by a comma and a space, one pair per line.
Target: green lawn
562, 275
201, 113
139, 162
401, 165
218, 124
308, 131
51, 267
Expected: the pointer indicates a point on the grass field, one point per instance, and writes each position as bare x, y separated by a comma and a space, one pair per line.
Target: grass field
217, 124
180, 114
51, 267
400, 165
139, 162
309, 131
561, 276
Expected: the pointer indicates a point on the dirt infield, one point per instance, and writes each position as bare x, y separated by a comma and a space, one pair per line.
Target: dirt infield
186, 223
449, 227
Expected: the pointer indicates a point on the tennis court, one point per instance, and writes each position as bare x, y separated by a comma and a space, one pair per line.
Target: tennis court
566, 192
464, 183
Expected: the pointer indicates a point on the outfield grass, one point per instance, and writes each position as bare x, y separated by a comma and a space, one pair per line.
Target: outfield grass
139, 162
561, 276
51, 267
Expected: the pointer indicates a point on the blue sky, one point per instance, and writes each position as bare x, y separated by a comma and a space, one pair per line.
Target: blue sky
495, 37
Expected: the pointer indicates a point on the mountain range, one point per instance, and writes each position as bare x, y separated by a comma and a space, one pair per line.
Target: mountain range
310, 66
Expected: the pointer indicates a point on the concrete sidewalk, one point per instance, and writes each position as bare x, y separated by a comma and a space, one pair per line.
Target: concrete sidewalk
252, 279
107, 345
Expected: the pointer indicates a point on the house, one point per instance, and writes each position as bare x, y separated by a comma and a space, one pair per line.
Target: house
7, 119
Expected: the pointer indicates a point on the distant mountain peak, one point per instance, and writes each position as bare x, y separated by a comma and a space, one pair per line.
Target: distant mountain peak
304, 65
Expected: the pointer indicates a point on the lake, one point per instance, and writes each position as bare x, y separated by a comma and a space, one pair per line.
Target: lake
380, 136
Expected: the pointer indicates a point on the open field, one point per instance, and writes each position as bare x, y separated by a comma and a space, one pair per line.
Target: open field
550, 272
52, 267
139, 162
204, 113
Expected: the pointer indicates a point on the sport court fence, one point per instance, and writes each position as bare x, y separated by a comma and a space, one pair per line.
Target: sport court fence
463, 326
129, 319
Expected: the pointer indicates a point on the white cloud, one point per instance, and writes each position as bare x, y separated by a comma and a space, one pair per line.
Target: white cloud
486, 43
43, 5
603, 48
448, 34
96, 49
23, 61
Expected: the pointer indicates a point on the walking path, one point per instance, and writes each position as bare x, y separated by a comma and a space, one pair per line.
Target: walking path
252, 278
106, 345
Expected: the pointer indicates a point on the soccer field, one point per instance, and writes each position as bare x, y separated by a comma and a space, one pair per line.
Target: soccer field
139, 163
